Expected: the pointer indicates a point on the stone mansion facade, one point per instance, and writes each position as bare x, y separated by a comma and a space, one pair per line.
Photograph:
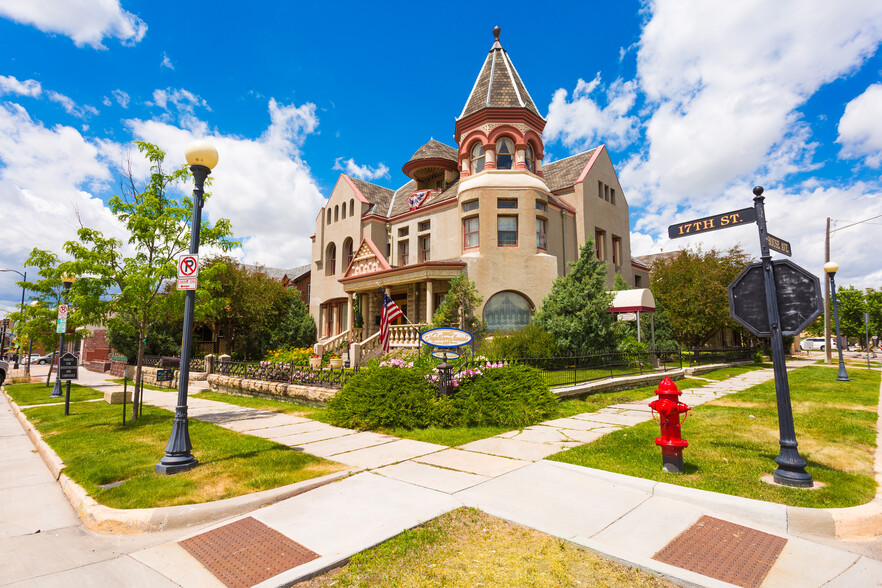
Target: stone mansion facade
488, 208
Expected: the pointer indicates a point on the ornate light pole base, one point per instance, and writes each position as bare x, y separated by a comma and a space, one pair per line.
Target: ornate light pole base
56, 390
791, 469
177, 453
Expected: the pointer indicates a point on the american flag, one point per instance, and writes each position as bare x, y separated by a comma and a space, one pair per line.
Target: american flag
390, 313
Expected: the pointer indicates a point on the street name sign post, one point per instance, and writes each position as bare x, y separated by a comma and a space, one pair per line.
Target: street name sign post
779, 245
791, 467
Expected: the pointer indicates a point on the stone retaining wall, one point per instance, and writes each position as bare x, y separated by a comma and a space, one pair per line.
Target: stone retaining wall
148, 376
276, 390
616, 384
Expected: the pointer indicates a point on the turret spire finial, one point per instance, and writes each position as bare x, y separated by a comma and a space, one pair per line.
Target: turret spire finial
496, 31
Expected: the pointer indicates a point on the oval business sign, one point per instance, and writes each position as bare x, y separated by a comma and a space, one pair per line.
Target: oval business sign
446, 337
445, 355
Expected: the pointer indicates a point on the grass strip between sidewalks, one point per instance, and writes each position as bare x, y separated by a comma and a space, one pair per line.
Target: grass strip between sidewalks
734, 440
467, 547
31, 394
99, 451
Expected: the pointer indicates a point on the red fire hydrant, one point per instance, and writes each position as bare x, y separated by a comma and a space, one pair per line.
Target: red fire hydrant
669, 409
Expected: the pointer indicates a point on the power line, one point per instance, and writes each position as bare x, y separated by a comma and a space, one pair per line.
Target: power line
856, 223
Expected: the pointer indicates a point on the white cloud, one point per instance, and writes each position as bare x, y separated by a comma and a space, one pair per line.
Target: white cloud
262, 185
11, 85
182, 100
581, 123
45, 178
166, 62
860, 128
86, 22
122, 98
70, 106
362, 172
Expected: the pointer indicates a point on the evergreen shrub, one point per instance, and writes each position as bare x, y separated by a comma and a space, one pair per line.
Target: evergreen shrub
531, 341
392, 397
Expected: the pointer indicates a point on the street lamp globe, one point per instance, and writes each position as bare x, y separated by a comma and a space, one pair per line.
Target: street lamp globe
831, 267
201, 152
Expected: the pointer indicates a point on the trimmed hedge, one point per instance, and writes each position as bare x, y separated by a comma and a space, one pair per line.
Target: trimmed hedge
389, 397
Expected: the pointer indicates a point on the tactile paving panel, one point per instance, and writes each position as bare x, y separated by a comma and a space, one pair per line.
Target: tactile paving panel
724, 551
246, 552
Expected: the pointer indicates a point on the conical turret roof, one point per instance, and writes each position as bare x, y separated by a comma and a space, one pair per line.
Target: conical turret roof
498, 84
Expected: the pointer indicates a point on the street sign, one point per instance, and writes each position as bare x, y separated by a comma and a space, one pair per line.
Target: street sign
187, 283
61, 325
779, 245
62, 311
165, 375
67, 367
798, 293
188, 266
627, 316
713, 223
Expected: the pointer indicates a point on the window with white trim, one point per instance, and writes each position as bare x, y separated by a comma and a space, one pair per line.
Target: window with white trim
506, 231
504, 153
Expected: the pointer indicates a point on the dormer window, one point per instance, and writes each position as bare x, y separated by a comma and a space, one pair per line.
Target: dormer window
529, 159
477, 158
504, 154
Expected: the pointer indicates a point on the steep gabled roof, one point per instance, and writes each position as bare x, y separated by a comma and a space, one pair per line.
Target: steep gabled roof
379, 196
498, 84
563, 173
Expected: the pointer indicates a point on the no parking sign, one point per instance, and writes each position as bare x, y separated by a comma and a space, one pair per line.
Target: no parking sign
188, 270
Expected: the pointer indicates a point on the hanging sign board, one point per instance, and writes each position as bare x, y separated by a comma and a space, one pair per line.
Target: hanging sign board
713, 223
446, 337
627, 316
445, 355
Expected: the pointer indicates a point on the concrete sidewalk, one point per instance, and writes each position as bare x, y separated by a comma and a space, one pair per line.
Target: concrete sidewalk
410, 482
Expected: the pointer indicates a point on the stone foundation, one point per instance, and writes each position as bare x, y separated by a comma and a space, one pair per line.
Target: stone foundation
148, 376
242, 387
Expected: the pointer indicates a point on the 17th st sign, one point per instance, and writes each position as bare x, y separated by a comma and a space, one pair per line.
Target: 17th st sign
713, 223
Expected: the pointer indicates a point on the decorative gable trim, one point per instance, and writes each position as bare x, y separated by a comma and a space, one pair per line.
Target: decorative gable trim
590, 164
358, 193
367, 260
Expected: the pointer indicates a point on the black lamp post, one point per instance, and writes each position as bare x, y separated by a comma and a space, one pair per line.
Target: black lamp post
831, 267
67, 280
202, 157
24, 277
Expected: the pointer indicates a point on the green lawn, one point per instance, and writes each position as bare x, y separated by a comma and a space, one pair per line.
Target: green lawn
30, 394
733, 441
98, 450
726, 373
597, 400
315, 413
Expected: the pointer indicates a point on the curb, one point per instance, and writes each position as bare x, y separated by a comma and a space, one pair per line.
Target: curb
104, 519
854, 522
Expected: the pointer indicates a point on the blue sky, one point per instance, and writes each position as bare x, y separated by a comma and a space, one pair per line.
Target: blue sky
696, 100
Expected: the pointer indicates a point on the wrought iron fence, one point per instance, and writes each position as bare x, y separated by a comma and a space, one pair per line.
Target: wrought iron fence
288, 373
197, 364
572, 370
146, 361
698, 357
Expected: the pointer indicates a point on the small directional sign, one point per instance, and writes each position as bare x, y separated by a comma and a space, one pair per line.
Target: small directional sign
713, 223
67, 367
61, 326
187, 283
779, 245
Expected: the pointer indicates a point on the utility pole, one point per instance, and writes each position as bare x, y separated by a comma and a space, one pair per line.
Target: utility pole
828, 352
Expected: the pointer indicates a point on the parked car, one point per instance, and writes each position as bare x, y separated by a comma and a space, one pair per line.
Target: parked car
4, 367
44, 359
812, 343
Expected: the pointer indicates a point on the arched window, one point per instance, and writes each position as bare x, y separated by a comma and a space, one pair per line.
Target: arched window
504, 153
507, 311
529, 158
336, 213
331, 260
343, 211
477, 158
352, 207
347, 250
329, 216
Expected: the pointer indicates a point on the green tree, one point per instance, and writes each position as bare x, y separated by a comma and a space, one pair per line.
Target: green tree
692, 287
874, 307
256, 312
127, 280
852, 305
459, 306
576, 309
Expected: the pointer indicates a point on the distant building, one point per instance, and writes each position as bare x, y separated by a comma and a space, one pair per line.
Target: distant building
489, 208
